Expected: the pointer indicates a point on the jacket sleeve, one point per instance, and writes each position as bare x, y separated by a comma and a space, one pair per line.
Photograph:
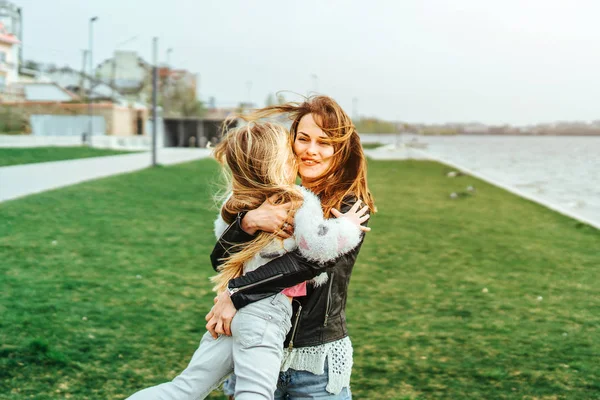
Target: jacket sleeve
275, 276
230, 239
280, 273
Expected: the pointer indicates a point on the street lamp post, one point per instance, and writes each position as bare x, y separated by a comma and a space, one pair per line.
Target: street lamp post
91, 77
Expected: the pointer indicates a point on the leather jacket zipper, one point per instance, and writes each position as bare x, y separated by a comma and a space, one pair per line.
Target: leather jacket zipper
328, 299
235, 290
291, 346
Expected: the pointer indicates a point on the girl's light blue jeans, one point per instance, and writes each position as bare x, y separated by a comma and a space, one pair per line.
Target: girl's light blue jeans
254, 351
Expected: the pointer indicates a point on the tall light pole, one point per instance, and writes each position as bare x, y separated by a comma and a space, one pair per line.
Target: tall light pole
90, 106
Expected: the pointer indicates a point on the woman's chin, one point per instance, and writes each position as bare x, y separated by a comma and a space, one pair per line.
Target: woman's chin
309, 173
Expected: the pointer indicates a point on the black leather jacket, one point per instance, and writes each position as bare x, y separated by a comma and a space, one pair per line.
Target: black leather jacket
319, 317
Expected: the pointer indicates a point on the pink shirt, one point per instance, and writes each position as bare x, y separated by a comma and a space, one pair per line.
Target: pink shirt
296, 291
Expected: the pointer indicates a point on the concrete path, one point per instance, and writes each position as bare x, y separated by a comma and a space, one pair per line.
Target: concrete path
22, 180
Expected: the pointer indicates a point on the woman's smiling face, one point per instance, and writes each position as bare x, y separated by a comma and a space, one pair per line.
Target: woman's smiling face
312, 149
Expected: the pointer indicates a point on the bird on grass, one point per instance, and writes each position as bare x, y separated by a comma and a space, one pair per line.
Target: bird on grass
470, 191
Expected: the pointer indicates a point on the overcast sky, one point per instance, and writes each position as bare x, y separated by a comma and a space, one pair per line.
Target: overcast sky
509, 61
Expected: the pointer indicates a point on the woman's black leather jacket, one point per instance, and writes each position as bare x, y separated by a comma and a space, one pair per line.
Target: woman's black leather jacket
319, 317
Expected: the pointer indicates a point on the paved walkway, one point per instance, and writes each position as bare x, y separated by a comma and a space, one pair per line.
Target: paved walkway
22, 180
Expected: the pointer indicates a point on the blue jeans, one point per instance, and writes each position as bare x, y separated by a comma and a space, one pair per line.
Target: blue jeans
296, 385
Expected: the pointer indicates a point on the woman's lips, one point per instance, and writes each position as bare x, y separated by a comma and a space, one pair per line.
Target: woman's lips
309, 162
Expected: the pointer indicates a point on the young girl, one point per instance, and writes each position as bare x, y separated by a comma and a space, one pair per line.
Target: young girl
261, 166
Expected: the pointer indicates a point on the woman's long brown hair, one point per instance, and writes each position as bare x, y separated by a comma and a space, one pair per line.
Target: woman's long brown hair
347, 175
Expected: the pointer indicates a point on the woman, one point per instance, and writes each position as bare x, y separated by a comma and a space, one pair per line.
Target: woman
259, 160
332, 165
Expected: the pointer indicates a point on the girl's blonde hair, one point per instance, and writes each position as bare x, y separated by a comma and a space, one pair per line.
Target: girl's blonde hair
347, 175
258, 163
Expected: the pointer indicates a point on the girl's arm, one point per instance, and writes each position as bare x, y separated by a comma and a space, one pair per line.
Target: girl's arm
266, 218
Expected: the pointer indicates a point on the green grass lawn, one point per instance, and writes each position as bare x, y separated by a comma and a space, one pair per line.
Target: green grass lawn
30, 155
104, 288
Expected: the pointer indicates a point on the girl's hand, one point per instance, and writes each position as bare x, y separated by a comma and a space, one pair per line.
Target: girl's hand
355, 215
220, 316
270, 218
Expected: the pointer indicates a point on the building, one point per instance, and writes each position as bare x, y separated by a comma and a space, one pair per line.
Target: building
177, 79
11, 18
128, 74
79, 83
52, 111
192, 131
9, 58
46, 92
55, 108
177, 88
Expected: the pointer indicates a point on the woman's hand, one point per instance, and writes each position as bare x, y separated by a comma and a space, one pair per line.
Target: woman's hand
355, 215
220, 316
270, 218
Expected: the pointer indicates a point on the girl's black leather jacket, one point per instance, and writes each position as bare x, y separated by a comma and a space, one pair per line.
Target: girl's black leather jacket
319, 317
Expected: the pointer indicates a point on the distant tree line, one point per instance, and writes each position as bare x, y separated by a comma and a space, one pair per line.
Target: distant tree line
12, 120
375, 125
181, 101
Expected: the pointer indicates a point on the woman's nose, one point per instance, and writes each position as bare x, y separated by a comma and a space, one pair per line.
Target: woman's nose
312, 148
